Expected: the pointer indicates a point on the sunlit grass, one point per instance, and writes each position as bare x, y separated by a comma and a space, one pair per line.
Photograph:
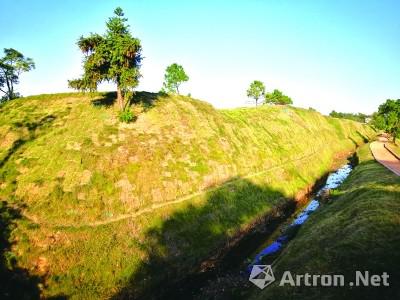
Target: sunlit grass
72, 164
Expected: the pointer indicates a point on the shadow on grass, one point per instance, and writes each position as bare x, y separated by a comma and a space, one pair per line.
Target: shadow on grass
353, 141
364, 138
16, 283
105, 99
355, 233
32, 127
146, 99
195, 243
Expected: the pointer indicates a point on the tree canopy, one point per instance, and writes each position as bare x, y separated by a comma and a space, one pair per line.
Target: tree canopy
12, 64
277, 97
256, 90
358, 117
174, 76
114, 56
388, 117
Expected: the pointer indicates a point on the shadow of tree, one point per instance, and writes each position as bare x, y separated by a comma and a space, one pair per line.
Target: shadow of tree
357, 232
198, 241
146, 99
32, 127
16, 283
364, 138
353, 141
106, 99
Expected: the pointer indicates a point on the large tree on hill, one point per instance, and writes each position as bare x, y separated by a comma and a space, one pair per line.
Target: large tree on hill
277, 97
114, 56
388, 117
12, 64
174, 76
256, 90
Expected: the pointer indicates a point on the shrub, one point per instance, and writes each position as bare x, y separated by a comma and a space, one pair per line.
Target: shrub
126, 116
277, 97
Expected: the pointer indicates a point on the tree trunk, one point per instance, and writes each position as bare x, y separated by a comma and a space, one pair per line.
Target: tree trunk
9, 88
120, 98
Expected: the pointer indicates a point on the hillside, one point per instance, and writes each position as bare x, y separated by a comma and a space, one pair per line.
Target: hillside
101, 205
358, 230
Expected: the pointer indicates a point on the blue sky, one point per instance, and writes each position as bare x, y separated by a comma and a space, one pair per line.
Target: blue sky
341, 55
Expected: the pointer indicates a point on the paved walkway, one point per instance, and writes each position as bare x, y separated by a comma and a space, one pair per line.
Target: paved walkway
383, 156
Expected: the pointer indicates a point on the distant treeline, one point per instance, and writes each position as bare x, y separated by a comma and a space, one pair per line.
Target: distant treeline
359, 117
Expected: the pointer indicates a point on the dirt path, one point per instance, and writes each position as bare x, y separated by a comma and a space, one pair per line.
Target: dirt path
383, 156
153, 207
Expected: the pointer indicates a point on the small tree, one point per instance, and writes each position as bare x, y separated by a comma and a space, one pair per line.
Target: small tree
378, 121
11, 66
388, 117
114, 56
277, 97
256, 90
174, 76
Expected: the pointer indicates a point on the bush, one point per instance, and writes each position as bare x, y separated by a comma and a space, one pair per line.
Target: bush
126, 116
277, 97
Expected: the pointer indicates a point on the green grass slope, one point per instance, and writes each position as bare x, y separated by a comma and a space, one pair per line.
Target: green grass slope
101, 203
359, 230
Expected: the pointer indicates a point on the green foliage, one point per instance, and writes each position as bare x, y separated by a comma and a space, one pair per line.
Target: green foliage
388, 117
174, 76
12, 64
114, 56
126, 116
256, 90
359, 117
277, 97
378, 121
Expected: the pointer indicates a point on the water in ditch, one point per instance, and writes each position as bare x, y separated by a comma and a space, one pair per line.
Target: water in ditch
230, 275
275, 244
